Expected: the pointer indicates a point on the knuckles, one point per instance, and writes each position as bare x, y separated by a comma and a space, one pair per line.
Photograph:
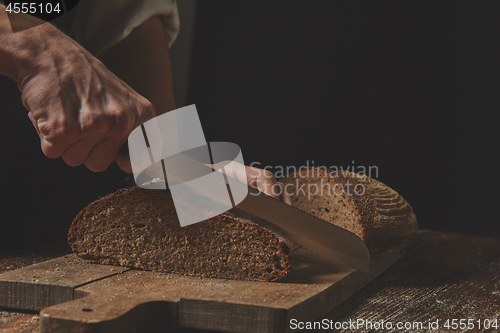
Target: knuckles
55, 137
117, 120
146, 110
93, 124
121, 121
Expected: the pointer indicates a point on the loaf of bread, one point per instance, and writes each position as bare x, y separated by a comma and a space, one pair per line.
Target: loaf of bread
370, 209
139, 228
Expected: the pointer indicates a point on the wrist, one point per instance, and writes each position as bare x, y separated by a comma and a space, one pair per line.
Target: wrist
22, 52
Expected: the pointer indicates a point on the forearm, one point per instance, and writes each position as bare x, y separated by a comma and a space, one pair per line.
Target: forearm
6, 48
4, 22
142, 60
19, 51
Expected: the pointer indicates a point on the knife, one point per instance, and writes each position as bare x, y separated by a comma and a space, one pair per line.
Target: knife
172, 147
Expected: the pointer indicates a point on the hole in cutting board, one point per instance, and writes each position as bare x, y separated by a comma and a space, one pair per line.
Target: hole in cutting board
87, 309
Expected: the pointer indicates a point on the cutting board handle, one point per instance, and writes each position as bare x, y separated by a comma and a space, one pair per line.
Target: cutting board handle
103, 313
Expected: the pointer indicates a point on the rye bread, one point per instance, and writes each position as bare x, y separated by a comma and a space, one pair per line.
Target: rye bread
370, 209
139, 228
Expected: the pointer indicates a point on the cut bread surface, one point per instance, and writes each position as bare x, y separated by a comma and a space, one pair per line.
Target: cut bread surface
139, 228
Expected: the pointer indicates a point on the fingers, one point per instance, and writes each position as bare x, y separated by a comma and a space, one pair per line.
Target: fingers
266, 183
96, 154
96, 149
77, 153
90, 138
57, 132
263, 180
280, 190
103, 154
274, 189
55, 147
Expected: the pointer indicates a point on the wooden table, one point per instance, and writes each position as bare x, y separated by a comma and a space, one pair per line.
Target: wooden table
443, 276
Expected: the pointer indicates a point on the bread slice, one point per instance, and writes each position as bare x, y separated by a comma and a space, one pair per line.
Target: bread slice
368, 208
139, 228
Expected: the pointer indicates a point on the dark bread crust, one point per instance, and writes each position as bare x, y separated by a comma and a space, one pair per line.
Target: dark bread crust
139, 228
394, 225
382, 218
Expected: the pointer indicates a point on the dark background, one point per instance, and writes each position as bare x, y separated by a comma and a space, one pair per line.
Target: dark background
411, 88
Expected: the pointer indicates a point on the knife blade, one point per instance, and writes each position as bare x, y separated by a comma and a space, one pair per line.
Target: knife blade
302, 228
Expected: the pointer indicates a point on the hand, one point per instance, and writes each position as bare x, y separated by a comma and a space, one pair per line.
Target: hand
81, 111
263, 180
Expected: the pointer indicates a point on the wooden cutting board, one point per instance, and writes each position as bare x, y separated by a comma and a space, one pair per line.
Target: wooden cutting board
76, 295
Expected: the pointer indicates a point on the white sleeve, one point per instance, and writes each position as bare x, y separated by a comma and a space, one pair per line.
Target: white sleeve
100, 24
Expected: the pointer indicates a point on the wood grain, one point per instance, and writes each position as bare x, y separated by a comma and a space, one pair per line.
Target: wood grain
138, 301
49, 283
442, 275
